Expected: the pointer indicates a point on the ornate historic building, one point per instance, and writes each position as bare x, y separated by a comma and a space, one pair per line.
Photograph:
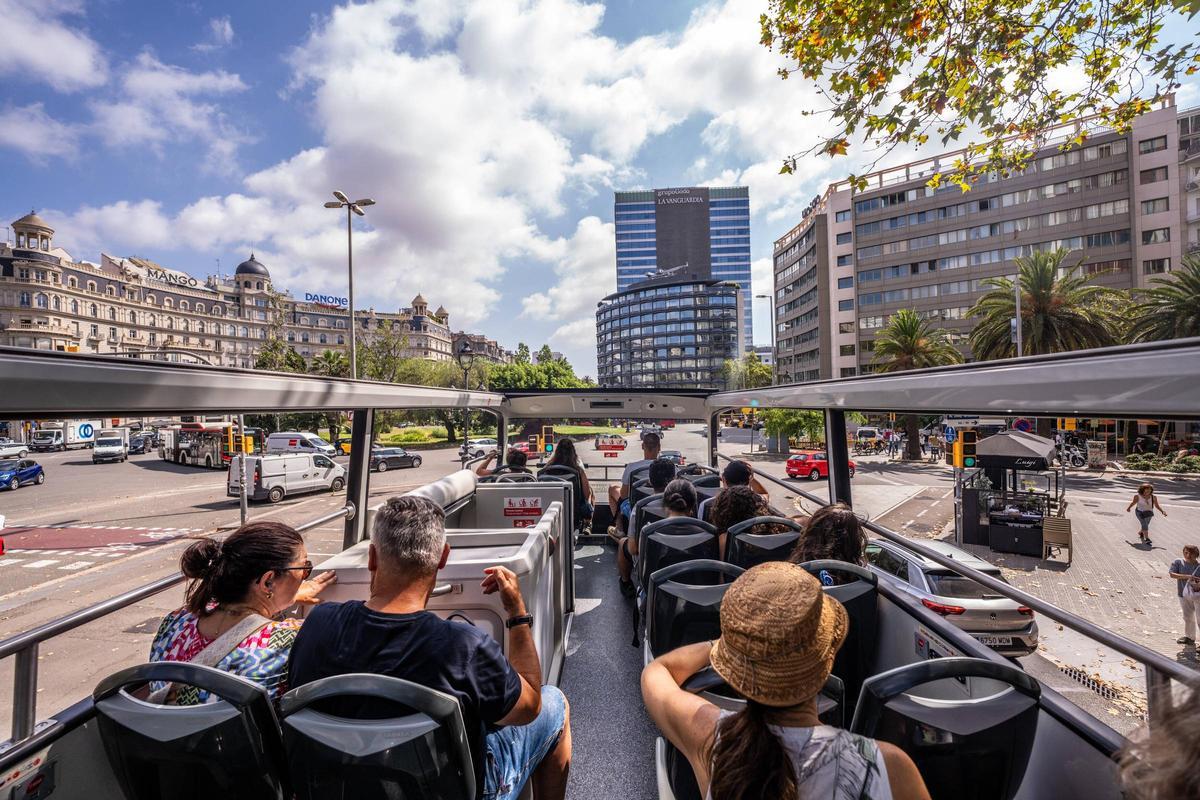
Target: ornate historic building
129, 306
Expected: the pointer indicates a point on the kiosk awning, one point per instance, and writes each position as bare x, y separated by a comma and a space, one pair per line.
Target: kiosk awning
1015, 450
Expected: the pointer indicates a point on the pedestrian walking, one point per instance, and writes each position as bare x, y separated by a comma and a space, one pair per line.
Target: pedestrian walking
1146, 503
1186, 572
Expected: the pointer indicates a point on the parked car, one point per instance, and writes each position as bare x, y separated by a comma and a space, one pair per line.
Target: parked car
298, 442
385, 458
15, 472
1002, 624
522, 447
477, 447
275, 476
674, 456
9, 449
811, 464
867, 434
139, 445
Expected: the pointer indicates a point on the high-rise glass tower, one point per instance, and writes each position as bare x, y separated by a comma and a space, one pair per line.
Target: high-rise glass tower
700, 232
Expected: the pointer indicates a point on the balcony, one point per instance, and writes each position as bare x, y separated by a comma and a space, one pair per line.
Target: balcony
1192, 247
43, 328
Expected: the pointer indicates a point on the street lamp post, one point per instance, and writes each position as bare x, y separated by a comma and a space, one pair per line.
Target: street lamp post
774, 355
465, 356
355, 207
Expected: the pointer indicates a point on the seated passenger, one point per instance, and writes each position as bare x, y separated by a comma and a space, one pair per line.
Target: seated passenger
733, 505
565, 455
660, 474
515, 460
779, 636
835, 532
1160, 761
517, 728
238, 588
618, 496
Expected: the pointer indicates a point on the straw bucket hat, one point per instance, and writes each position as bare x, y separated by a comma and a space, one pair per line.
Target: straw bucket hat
779, 635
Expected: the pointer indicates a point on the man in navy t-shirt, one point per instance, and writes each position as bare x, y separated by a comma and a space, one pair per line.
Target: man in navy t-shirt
517, 729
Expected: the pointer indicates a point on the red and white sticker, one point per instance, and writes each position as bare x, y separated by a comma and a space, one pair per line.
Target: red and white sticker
611, 455
523, 507
524, 523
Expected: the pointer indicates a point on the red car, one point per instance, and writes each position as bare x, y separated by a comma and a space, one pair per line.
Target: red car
811, 464
521, 446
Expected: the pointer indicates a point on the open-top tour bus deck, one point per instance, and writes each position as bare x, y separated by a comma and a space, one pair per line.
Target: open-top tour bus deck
976, 724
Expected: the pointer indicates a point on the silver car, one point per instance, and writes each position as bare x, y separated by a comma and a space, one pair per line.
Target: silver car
1002, 624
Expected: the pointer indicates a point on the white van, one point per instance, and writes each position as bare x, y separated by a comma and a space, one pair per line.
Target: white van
274, 477
298, 442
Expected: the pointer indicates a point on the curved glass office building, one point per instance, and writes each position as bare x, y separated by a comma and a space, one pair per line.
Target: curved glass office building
668, 333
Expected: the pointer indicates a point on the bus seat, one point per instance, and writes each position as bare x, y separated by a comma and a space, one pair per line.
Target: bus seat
855, 660
703, 480
512, 477
639, 489
229, 748
647, 510
671, 541
419, 752
565, 473
746, 548
970, 747
683, 603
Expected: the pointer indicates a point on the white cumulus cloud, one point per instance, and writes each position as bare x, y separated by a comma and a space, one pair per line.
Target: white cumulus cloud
40, 45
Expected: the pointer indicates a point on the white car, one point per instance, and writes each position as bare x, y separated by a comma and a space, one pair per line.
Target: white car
9, 448
478, 447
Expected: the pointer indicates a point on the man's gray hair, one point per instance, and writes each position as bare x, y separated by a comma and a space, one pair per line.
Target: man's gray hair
410, 532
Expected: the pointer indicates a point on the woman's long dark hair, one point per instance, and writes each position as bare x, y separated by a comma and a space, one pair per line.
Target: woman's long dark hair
748, 761
833, 532
735, 504
680, 497
223, 572
564, 454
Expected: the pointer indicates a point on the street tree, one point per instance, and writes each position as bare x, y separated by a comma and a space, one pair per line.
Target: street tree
332, 364
747, 372
1170, 308
909, 342
522, 356
990, 72
544, 355
1060, 310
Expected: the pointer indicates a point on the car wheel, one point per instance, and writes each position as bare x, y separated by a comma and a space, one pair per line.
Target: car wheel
22, 454
477, 454
276, 494
383, 466
40, 479
337, 485
416, 463
815, 475
852, 472
208, 462
14, 484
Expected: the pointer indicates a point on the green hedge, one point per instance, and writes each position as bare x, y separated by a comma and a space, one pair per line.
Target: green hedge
1155, 463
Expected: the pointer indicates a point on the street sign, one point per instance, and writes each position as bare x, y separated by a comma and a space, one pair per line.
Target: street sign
951, 434
1022, 424
610, 454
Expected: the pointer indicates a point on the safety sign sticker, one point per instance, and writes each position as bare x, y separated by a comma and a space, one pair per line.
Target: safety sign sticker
522, 506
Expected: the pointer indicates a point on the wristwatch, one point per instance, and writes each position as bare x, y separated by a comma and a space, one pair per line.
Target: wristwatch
524, 619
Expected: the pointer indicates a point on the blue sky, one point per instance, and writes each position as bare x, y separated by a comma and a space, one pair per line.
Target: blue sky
491, 134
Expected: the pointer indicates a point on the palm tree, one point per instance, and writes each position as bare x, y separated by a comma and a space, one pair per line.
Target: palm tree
1060, 310
909, 342
1170, 309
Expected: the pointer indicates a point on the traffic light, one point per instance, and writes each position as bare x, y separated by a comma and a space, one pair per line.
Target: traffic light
956, 453
967, 441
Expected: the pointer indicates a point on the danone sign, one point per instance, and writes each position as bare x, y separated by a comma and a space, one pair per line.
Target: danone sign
326, 300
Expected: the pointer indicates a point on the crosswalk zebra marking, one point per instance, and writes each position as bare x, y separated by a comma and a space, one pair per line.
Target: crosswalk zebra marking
77, 565
45, 562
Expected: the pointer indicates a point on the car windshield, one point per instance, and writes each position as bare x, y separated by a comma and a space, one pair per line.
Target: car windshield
318, 441
108, 442
948, 584
8, 466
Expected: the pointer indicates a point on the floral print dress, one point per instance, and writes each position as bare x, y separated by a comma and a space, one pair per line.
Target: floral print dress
261, 657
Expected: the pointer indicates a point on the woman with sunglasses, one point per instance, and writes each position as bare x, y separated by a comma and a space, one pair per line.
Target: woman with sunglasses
231, 618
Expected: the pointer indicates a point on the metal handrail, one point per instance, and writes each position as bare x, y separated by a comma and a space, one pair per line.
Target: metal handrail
1146, 656
25, 645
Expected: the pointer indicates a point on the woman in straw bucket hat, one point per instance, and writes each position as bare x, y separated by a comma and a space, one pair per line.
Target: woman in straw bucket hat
779, 635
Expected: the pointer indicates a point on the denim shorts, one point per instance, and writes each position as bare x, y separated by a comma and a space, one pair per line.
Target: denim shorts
514, 752
1144, 517
626, 509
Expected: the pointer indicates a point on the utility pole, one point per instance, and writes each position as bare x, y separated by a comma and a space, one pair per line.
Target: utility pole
1019, 326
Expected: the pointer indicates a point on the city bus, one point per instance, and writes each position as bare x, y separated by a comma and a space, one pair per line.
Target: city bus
976, 724
210, 444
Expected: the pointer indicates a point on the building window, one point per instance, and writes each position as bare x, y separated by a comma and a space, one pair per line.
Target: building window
1156, 266
1152, 145
168, 302
170, 323
112, 334
1156, 236
199, 327
151, 299
42, 301
95, 310
152, 321
91, 286
843, 238
845, 260
133, 318
1156, 205
842, 216
341, 339
845, 305
845, 283
184, 305
304, 336
94, 330
845, 327
1152, 175
216, 311
245, 332
153, 337
112, 314
849, 372
258, 285
291, 336
323, 339
846, 350
25, 299
57, 304
74, 306
71, 282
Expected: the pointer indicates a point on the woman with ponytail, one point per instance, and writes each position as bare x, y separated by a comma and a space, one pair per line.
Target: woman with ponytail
231, 619
679, 498
779, 635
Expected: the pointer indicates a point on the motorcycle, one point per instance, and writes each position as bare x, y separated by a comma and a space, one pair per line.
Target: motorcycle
1072, 456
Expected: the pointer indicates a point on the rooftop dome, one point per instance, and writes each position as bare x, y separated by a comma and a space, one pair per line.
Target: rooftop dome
33, 220
419, 301
251, 266
441, 312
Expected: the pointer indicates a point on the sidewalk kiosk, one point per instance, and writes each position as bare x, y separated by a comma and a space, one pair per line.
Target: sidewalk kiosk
1014, 489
